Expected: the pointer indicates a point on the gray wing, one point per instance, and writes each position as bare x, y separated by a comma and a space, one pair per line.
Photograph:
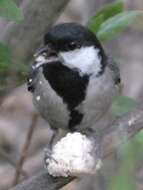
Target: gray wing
115, 70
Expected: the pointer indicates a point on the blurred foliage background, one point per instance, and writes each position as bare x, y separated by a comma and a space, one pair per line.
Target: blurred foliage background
119, 26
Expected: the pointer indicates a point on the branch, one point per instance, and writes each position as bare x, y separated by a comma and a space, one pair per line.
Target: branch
25, 148
7, 158
125, 127
23, 37
43, 181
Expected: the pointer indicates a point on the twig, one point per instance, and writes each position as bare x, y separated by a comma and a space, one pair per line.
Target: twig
10, 161
25, 149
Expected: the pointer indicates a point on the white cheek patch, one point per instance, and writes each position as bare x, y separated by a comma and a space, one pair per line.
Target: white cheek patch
85, 59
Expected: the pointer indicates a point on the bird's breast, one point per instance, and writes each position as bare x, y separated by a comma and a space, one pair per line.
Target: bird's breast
70, 87
68, 101
67, 83
58, 92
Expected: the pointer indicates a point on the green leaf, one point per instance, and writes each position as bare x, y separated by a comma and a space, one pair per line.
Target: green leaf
111, 10
122, 105
5, 57
129, 157
139, 137
105, 13
113, 26
9, 10
122, 181
95, 23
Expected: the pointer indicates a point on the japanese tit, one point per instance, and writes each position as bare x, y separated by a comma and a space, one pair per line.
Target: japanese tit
72, 80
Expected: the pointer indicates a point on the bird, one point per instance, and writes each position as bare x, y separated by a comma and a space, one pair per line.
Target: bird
72, 79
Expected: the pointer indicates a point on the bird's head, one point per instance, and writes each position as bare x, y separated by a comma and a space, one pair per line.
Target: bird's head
74, 46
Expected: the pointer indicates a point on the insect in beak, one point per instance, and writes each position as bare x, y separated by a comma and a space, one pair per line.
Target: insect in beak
44, 55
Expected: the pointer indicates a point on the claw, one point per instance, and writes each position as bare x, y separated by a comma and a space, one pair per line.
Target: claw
48, 156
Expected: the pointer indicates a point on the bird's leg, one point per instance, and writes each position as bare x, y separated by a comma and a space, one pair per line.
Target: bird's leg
57, 135
55, 132
48, 156
89, 132
48, 149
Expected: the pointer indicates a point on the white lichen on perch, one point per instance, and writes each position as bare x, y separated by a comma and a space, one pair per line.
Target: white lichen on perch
73, 155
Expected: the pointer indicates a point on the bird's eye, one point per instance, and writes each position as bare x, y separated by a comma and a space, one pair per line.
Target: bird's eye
72, 46
50, 45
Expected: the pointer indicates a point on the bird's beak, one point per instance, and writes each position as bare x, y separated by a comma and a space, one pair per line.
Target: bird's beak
44, 55
45, 49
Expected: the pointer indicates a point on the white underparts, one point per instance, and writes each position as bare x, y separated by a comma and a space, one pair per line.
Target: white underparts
73, 156
85, 59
